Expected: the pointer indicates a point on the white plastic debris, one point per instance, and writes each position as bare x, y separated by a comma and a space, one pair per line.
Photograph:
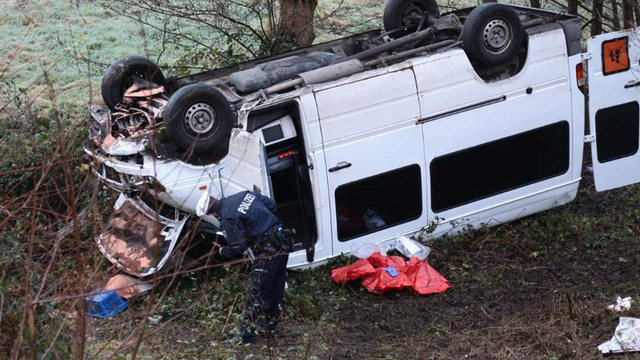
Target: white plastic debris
625, 338
155, 319
411, 248
363, 251
621, 305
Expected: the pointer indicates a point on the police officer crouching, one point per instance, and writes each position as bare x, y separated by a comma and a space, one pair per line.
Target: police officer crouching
248, 221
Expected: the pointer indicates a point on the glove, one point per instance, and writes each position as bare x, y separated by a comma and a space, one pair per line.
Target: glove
232, 252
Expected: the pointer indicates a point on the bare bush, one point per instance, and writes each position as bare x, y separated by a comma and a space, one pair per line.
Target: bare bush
223, 32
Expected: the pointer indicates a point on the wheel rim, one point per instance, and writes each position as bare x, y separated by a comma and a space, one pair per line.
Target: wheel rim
496, 36
199, 119
412, 14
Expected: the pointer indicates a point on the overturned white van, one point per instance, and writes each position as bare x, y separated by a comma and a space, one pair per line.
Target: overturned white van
468, 118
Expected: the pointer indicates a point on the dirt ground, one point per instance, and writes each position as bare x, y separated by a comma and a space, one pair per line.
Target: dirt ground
536, 288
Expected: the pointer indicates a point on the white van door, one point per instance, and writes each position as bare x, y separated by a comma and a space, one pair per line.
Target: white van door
245, 166
614, 116
374, 156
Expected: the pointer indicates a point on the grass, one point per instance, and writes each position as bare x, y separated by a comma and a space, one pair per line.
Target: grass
536, 288
75, 41
43, 36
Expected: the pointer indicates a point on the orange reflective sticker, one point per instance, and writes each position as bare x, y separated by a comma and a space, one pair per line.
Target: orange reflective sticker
615, 55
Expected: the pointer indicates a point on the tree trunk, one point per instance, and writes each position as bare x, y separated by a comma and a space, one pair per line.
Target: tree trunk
627, 14
616, 16
572, 7
636, 10
596, 13
535, 4
296, 20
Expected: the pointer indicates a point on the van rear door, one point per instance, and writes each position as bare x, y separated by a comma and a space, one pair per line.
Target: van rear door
614, 114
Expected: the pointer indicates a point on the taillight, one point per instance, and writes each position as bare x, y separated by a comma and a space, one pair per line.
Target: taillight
580, 77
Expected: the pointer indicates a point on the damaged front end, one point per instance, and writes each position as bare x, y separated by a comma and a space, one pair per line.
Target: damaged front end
130, 153
128, 129
138, 239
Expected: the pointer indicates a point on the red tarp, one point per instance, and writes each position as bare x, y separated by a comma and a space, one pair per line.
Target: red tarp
377, 274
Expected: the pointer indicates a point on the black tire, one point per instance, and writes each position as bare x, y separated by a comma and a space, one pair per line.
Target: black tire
119, 77
406, 14
492, 34
199, 119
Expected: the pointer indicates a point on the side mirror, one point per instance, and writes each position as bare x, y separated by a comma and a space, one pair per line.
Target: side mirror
203, 204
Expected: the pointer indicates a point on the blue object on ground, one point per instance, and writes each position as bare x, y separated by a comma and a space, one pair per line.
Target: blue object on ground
106, 304
392, 271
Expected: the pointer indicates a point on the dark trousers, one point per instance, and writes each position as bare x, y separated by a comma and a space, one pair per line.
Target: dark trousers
268, 277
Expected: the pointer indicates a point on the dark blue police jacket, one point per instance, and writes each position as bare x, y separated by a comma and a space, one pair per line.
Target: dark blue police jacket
245, 216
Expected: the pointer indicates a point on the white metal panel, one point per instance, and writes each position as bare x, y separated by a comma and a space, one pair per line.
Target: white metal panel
448, 83
356, 108
514, 208
518, 113
381, 153
181, 181
244, 166
311, 122
371, 124
539, 95
577, 116
606, 91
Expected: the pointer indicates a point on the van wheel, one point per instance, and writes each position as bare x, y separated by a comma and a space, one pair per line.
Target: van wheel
407, 14
199, 119
492, 33
120, 76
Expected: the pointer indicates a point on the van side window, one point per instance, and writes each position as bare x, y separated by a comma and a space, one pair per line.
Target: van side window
617, 131
499, 166
379, 202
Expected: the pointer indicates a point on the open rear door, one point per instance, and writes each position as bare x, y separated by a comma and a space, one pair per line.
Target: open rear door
245, 168
614, 116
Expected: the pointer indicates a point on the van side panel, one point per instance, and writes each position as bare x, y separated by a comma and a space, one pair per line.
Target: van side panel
537, 97
448, 81
355, 110
375, 123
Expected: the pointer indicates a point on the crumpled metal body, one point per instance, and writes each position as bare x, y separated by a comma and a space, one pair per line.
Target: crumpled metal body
136, 242
132, 240
125, 130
